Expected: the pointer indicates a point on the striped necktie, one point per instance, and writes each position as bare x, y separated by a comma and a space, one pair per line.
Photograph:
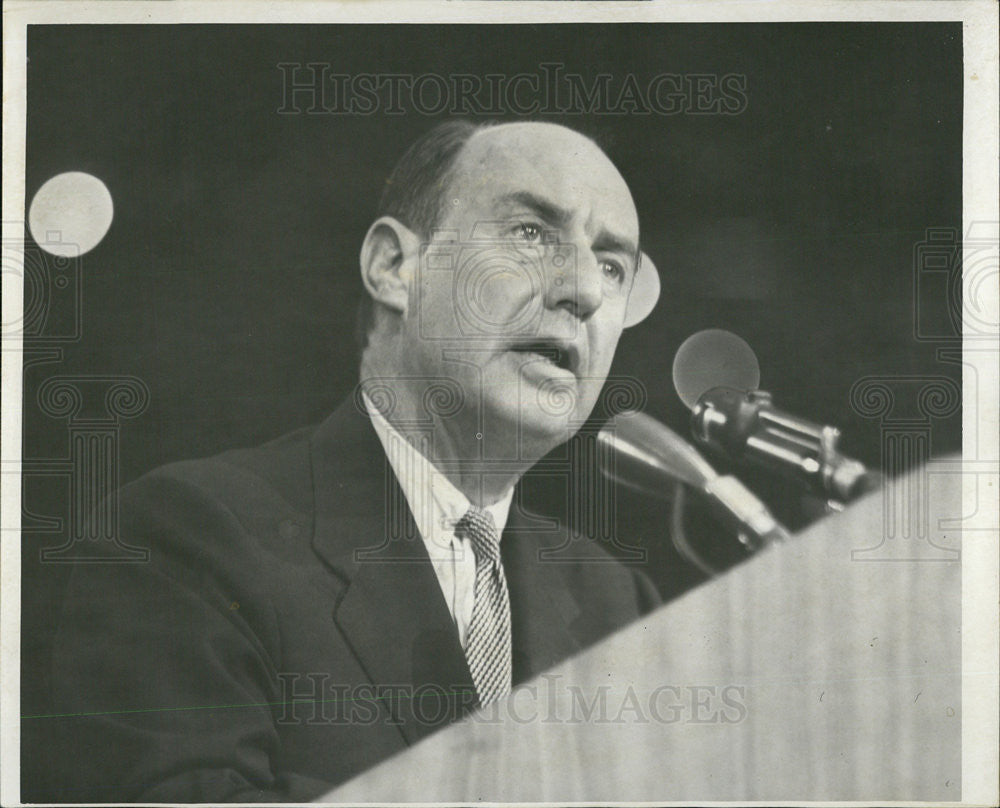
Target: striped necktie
487, 648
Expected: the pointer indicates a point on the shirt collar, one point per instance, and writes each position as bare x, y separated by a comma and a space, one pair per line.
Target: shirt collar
418, 477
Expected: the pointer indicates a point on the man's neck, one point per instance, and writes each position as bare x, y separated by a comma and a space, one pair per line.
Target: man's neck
476, 463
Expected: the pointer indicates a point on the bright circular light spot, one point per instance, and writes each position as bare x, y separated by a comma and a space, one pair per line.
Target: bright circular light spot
714, 358
645, 292
70, 214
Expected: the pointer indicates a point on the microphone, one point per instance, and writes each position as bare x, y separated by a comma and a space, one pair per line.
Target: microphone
745, 425
639, 452
716, 375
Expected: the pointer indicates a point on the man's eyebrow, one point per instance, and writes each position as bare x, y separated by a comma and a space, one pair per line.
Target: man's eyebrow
610, 242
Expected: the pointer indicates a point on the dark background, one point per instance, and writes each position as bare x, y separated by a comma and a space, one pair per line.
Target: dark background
228, 281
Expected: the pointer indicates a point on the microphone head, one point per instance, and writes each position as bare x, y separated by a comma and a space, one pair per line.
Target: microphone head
713, 358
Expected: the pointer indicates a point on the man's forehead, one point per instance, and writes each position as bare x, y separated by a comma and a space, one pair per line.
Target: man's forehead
546, 160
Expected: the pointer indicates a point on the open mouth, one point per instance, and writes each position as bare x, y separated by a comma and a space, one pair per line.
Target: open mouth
549, 351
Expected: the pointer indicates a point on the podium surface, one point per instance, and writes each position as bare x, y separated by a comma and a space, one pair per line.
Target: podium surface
827, 668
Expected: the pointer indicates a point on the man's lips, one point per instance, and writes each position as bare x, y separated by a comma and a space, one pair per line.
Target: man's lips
560, 353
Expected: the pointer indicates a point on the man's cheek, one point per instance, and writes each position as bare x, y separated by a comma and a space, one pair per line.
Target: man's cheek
494, 297
587, 394
602, 352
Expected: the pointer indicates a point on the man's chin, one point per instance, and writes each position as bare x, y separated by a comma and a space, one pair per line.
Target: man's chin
532, 426
544, 427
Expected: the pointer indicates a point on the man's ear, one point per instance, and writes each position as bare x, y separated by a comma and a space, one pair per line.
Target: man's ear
389, 257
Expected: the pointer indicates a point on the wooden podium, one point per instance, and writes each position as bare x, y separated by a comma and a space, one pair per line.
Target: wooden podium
827, 668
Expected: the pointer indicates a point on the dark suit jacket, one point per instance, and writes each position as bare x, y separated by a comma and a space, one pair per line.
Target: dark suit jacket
288, 630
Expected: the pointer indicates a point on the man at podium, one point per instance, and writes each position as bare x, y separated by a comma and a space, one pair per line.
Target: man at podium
317, 604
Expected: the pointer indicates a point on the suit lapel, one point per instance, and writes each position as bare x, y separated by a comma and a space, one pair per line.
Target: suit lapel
392, 612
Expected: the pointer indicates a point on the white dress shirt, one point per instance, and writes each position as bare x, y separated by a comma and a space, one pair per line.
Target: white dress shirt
437, 506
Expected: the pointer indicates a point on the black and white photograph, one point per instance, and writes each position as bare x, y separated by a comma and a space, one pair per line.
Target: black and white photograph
500, 403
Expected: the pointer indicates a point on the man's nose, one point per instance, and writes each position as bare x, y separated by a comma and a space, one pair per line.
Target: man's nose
574, 282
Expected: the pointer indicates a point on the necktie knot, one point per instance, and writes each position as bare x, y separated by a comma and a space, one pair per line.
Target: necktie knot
478, 526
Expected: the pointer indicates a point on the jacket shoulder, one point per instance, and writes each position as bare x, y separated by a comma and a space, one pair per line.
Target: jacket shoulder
251, 483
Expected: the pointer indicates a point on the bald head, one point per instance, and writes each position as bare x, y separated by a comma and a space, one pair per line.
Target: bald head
417, 193
499, 143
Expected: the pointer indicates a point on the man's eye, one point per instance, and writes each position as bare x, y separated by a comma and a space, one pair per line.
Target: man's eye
528, 231
613, 271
